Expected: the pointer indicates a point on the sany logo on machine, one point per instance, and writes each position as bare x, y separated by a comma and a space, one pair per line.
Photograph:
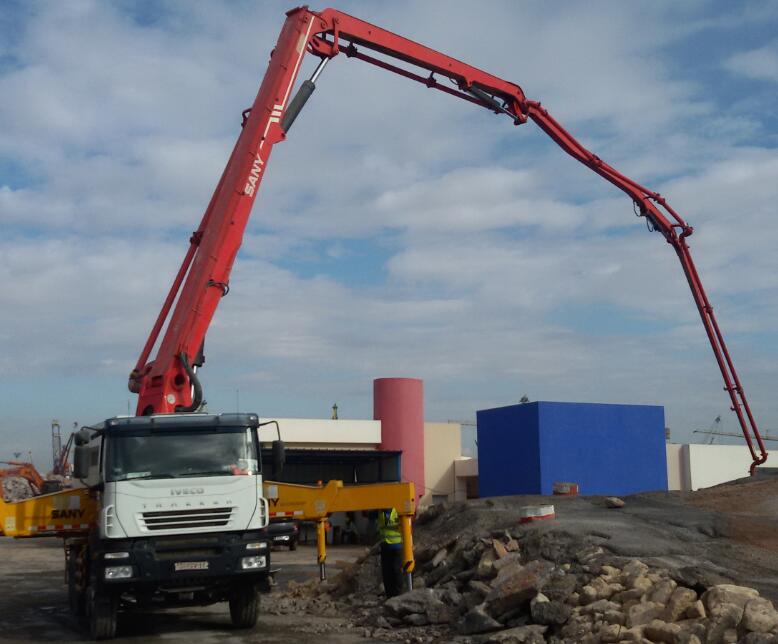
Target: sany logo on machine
253, 179
258, 164
67, 514
186, 490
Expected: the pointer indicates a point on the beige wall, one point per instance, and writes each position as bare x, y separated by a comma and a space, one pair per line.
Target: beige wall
442, 446
675, 467
709, 465
315, 431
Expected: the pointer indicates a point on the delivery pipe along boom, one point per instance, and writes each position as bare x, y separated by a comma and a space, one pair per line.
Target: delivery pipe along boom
165, 384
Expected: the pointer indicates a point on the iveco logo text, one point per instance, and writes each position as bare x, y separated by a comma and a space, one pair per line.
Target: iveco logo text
253, 179
187, 490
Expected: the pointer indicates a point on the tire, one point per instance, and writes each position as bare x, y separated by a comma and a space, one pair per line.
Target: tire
293, 545
102, 616
76, 596
244, 607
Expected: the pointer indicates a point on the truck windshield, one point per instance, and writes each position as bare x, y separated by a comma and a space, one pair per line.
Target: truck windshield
181, 454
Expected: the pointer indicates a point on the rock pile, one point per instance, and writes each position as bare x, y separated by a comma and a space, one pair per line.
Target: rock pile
16, 488
529, 587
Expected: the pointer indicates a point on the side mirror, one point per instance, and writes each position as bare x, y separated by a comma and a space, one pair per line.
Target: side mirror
82, 437
81, 461
279, 458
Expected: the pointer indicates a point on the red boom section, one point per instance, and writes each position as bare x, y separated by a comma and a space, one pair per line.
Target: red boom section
164, 385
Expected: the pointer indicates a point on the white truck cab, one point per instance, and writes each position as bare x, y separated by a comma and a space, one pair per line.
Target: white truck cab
181, 516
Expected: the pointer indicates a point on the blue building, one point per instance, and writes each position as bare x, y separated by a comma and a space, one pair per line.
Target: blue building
606, 449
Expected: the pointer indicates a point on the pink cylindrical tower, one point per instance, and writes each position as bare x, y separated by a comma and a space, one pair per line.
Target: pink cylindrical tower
399, 404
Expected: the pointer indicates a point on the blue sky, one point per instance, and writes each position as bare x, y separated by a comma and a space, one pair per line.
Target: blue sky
398, 232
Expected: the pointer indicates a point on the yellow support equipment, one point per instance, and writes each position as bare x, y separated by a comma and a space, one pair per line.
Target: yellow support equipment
317, 502
67, 512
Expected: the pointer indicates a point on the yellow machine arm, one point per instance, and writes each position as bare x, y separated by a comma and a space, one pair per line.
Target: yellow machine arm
316, 503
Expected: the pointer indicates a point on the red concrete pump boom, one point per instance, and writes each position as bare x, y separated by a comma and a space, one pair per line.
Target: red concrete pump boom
169, 382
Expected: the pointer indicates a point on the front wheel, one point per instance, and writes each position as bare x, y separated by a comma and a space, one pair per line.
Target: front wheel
102, 616
244, 607
293, 545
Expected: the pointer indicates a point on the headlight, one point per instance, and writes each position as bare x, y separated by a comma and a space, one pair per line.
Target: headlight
260, 545
116, 555
118, 572
248, 563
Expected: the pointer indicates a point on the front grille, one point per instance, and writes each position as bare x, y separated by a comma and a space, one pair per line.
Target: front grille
178, 555
199, 519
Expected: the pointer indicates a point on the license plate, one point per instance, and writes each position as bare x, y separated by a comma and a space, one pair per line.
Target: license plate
190, 565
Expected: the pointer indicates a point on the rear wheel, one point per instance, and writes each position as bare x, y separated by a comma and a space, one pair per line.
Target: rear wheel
102, 616
244, 607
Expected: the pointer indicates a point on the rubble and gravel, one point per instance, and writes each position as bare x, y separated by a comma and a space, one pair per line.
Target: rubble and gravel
16, 488
664, 568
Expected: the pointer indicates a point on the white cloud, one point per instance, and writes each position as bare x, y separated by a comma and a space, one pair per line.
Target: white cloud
760, 63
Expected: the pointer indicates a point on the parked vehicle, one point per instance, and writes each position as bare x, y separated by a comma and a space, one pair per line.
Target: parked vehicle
284, 532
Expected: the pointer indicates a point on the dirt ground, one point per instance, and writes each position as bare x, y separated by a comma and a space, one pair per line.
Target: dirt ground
724, 534
33, 604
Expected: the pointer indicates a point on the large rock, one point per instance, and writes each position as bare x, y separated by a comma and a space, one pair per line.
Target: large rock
445, 571
643, 584
640, 614
423, 555
416, 619
679, 602
440, 555
658, 631
612, 633
603, 589
560, 586
550, 612
470, 600
720, 634
633, 569
727, 594
588, 554
417, 601
480, 587
759, 616
587, 595
727, 616
696, 611
499, 548
477, 620
614, 617
662, 591
485, 568
517, 584
531, 634
577, 628
509, 559
759, 638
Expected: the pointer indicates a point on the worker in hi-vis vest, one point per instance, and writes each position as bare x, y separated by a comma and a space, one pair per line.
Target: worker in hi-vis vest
391, 551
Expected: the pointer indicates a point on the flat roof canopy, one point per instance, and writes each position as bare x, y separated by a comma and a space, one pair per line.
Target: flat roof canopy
309, 466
